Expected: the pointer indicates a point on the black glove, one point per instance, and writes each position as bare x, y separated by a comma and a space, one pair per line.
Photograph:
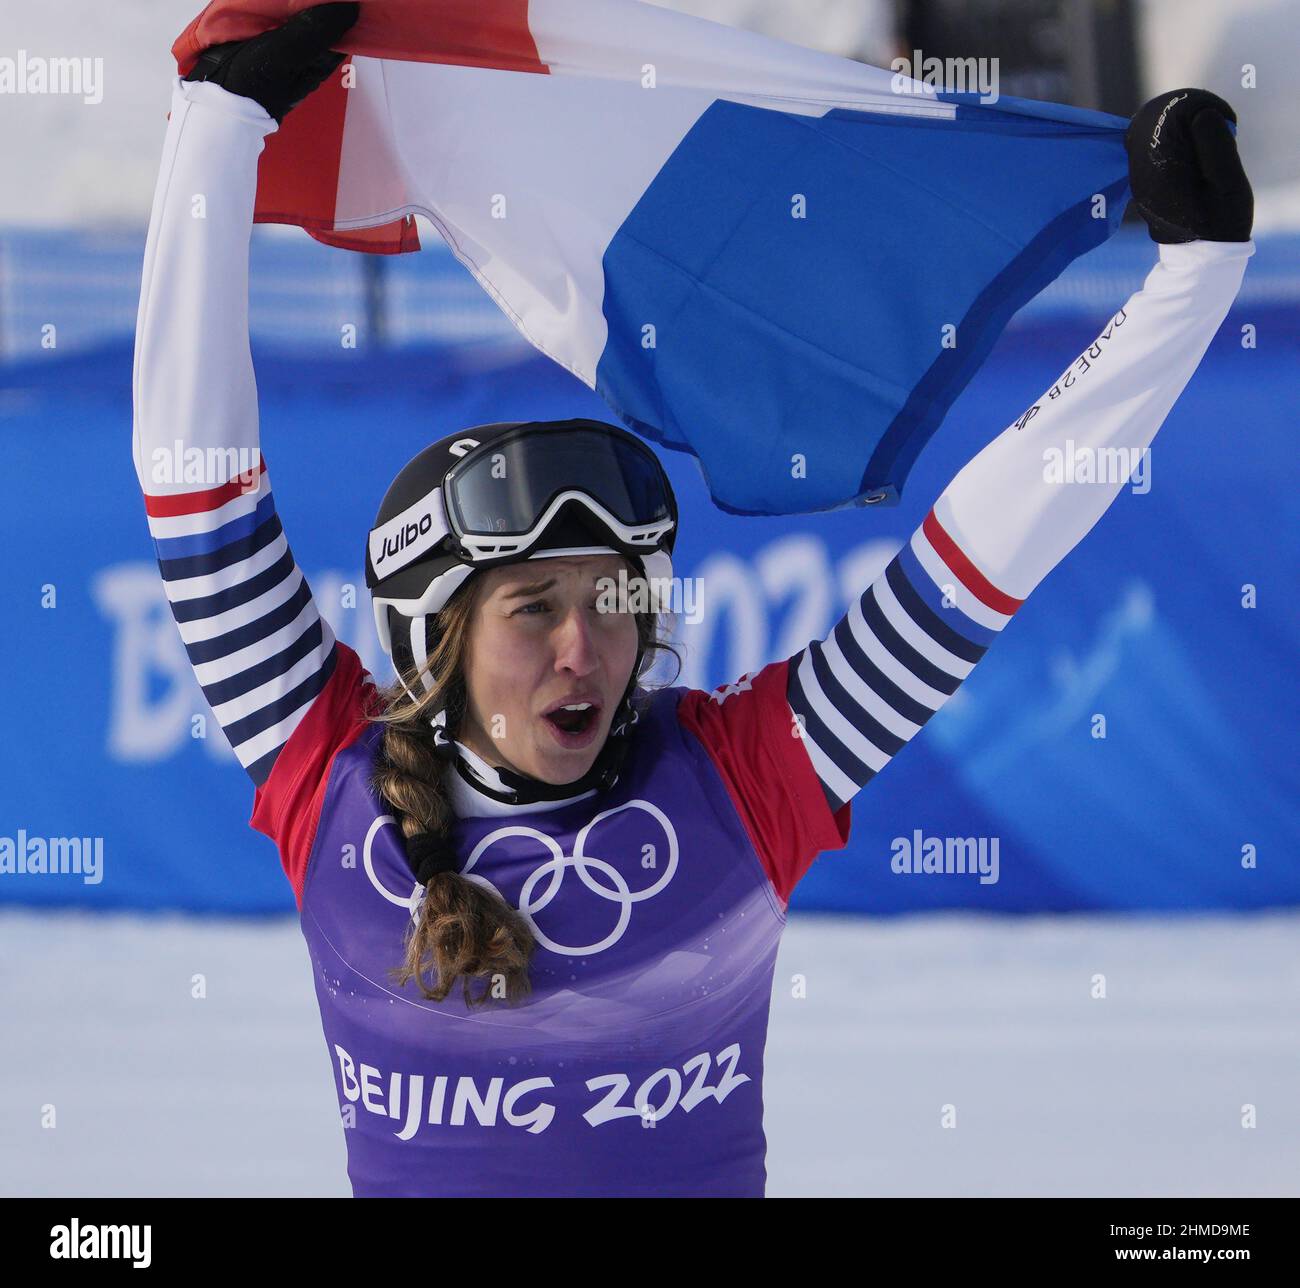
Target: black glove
279, 68
1184, 170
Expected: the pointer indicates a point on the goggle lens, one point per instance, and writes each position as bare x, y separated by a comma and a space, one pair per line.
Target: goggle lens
504, 491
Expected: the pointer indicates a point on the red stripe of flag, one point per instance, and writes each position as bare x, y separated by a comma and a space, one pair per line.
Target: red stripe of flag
168, 507
969, 576
466, 33
298, 172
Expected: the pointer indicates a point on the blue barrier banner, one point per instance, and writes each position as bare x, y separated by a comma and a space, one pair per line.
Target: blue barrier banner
1170, 630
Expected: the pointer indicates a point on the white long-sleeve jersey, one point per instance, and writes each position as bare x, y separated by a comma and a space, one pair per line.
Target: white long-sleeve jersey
257, 642
263, 653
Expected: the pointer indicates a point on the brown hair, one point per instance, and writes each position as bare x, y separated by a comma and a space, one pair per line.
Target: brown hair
461, 930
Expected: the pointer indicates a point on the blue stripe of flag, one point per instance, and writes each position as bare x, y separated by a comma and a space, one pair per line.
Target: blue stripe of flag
822, 288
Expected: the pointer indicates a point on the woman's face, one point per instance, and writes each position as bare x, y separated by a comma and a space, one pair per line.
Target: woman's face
538, 641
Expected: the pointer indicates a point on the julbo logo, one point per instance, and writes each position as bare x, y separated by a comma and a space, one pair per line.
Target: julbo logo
405, 536
598, 876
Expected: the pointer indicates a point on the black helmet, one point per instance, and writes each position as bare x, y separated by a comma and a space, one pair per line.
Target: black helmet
505, 493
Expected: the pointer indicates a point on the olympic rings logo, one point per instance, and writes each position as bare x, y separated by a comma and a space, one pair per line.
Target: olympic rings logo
599, 876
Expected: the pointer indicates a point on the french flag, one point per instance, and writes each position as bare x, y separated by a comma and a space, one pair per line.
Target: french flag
784, 262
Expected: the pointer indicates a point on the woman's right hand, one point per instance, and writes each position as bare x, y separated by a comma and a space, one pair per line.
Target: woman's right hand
279, 68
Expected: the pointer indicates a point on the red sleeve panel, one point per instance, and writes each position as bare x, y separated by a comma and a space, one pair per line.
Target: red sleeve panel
753, 739
288, 805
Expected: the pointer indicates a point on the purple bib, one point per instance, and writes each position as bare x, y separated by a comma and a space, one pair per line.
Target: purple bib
636, 1065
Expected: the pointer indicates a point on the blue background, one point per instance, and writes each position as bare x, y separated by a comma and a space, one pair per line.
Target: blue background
1142, 623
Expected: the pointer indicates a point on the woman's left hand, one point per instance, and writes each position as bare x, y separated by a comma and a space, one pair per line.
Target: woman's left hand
1187, 179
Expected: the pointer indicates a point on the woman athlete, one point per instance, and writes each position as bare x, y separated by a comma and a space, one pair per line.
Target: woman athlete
543, 902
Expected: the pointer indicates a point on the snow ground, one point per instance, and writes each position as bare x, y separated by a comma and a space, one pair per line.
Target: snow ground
1055, 1093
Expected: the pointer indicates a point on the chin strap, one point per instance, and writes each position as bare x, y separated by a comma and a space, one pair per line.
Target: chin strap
521, 789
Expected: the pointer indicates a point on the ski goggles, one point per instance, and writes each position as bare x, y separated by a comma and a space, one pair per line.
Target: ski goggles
497, 503
501, 498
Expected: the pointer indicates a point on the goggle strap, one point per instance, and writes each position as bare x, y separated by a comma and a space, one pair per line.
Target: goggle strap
408, 536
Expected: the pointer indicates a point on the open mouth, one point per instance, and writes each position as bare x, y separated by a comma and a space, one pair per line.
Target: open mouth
573, 719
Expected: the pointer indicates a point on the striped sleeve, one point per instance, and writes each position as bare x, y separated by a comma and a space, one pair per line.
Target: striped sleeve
1004, 523
861, 694
259, 647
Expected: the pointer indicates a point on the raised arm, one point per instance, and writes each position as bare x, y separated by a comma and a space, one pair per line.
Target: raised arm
857, 697
258, 645
1004, 523
1009, 517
